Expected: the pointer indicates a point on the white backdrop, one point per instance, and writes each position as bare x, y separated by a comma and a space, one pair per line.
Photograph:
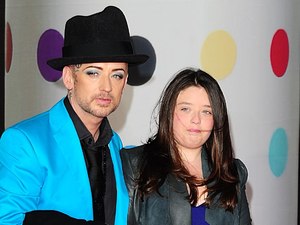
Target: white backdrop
263, 106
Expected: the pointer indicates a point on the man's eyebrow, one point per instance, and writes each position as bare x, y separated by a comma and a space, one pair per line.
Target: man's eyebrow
101, 68
116, 69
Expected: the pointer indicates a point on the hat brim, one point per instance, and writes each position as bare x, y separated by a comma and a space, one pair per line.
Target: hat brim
60, 63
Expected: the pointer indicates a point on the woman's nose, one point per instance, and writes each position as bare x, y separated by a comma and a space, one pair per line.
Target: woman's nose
196, 118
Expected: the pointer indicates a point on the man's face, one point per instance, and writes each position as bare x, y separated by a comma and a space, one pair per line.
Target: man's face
96, 88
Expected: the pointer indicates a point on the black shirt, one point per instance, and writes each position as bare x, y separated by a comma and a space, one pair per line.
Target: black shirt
100, 147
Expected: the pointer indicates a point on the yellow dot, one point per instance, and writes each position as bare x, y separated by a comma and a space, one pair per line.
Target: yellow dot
218, 54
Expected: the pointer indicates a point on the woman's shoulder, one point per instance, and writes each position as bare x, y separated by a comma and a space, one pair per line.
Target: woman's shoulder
130, 157
131, 154
242, 171
132, 151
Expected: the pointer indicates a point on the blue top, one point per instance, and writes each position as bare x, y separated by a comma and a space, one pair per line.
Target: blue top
198, 215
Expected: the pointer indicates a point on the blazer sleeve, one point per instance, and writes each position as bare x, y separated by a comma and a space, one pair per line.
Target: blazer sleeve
21, 177
244, 212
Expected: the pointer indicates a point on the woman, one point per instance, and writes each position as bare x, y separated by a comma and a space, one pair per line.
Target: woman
186, 173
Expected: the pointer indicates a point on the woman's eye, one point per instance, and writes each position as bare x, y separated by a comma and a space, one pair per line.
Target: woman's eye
207, 112
184, 109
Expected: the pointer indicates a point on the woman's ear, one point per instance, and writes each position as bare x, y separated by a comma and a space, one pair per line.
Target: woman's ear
67, 75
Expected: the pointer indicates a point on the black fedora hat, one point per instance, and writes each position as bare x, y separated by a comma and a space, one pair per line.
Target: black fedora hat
101, 37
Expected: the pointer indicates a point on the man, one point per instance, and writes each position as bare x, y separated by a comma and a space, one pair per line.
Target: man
65, 162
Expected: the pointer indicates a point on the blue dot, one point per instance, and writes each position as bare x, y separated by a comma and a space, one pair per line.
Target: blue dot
278, 152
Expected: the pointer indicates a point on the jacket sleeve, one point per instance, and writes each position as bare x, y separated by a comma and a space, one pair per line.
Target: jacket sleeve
244, 213
122, 195
21, 177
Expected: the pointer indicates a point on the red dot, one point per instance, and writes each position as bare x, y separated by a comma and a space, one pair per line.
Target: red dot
279, 53
9, 48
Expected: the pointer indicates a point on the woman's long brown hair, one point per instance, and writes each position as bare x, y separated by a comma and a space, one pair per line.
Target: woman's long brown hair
161, 156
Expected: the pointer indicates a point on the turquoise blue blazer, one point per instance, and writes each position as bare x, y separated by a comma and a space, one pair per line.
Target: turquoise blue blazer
42, 167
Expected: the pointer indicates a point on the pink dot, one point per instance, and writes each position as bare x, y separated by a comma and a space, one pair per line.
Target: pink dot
279, 52
9, 48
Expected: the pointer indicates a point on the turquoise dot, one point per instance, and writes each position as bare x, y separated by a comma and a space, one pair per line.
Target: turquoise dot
278, 152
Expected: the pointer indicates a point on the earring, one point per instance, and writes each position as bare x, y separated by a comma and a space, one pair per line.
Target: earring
69, 93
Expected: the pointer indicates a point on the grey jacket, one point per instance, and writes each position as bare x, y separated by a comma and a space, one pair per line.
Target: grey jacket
173, 208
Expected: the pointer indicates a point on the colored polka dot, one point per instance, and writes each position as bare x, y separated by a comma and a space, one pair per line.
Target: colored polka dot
49, 46
218, 54
141, 74
279, 52
9, 48
278, 152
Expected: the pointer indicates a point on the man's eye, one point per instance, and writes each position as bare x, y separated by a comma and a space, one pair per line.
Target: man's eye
119, 76
92, 73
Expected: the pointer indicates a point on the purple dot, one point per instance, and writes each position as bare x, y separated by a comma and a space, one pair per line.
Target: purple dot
49, 47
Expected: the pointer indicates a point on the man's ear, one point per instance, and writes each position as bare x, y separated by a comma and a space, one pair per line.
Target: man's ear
67, 75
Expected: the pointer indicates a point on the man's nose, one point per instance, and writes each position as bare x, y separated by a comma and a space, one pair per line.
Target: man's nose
105, 83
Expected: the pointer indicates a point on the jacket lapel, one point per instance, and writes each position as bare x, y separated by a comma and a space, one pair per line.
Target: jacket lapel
68, 144
177, 197
66, 137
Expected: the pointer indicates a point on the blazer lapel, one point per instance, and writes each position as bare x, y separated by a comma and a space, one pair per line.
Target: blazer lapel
66, 137
68, 144
177, 198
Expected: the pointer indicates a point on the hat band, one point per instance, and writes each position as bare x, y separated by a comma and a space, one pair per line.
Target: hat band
99, 49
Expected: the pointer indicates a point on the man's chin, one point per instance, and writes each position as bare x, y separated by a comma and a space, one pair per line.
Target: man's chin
104, 112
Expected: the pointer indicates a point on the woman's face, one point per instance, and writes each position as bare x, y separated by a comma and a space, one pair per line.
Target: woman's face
192, 119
